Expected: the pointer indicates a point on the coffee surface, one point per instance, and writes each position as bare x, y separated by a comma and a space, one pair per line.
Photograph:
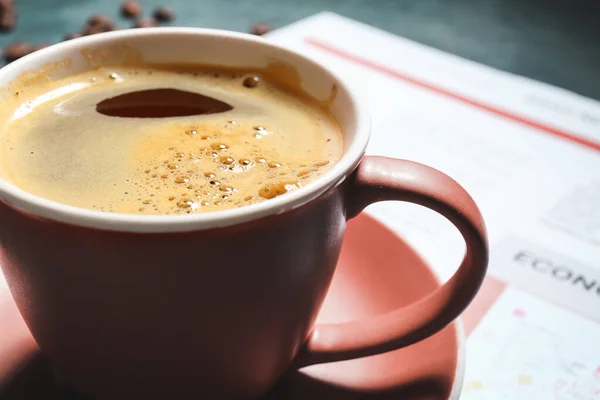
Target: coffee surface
150, 140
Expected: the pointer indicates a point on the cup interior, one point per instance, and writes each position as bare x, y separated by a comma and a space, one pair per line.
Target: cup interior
196, 47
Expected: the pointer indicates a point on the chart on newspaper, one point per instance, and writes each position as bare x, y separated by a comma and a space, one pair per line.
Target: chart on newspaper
529, 154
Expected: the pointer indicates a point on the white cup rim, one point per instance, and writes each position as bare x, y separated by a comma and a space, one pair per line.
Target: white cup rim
190, 222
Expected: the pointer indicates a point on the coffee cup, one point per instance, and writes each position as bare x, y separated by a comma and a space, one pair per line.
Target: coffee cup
219, 304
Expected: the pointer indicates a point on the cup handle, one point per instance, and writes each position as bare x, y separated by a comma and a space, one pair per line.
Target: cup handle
380, 179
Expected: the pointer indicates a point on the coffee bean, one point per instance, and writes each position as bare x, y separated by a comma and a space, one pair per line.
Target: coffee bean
261, 28
99, 19
94, 26
164, 14
98, 23
145, 23
8, 22
131, 9
16, 50
71, 36
8, 16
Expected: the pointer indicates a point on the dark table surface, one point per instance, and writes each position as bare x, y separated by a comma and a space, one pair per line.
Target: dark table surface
554, 41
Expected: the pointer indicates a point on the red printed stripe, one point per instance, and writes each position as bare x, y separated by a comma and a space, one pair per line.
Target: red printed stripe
488, 294
453, 95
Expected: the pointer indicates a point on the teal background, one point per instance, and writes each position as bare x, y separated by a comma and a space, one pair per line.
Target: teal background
555, 41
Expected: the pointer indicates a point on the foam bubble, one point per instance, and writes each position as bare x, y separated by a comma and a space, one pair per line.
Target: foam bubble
227, 160
219, 146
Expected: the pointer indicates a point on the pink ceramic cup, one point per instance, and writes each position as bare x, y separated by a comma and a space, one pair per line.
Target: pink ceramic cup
216, 305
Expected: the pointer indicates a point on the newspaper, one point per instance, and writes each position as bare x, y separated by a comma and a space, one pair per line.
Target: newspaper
529, 153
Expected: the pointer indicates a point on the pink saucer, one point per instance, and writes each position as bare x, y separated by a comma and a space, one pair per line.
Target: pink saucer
377, 272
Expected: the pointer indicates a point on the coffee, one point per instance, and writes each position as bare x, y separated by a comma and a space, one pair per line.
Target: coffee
164, 140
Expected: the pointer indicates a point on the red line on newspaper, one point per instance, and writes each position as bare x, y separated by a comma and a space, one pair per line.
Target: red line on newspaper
453, 95
490, 291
